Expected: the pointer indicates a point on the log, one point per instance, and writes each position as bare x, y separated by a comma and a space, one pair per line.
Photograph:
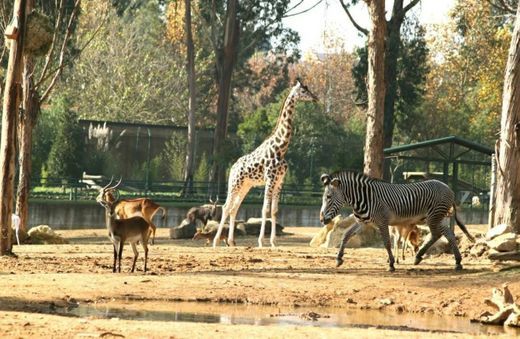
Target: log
513, 255
507, 312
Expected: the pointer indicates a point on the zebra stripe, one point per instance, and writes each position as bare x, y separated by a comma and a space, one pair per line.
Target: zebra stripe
384, 204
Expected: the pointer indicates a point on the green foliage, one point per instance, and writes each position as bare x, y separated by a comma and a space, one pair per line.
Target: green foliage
43, 137
174, 156
132, 73
68, 148
202, 172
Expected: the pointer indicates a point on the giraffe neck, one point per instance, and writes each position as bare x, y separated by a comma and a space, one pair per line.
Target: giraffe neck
282, 133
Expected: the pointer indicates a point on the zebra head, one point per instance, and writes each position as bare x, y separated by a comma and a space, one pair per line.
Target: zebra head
333, 198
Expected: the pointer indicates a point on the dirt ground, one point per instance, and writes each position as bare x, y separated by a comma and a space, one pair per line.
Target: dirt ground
43, 280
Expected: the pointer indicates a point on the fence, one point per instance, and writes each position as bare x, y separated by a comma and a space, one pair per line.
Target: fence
80, 189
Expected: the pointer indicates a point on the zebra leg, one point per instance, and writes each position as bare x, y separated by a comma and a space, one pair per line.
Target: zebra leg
351, 231
383, 229
450, 236
435, 235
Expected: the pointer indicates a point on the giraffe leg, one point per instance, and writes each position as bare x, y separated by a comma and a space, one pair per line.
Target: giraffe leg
265, 209
225, 213
235, 205
275, 199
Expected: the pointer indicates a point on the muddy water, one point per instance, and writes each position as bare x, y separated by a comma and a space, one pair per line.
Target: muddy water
276, 316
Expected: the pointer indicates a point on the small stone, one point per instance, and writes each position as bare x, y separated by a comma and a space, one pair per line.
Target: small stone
386, 301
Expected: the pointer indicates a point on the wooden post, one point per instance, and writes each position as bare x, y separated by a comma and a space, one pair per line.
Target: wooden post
8, 139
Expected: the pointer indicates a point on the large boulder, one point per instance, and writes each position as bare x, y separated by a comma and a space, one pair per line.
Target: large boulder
44, 234
498, 230
367, 236
185, 230
212, 225
252, 227
503, 243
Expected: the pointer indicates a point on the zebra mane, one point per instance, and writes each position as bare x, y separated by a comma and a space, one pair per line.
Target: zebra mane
354, 174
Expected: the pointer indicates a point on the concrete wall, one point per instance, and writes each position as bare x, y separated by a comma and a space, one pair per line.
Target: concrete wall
69, 215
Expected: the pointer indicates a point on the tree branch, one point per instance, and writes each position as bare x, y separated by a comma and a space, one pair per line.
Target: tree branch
410, 6
295, 6
502, 5
302, 11
359, 28
72, 17
48, 57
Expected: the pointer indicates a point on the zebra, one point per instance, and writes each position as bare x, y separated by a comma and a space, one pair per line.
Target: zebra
381, 203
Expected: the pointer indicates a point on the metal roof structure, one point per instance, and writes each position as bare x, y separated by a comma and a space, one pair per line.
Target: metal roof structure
450, 151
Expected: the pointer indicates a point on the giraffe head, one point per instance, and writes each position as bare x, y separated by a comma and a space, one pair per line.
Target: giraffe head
302, 92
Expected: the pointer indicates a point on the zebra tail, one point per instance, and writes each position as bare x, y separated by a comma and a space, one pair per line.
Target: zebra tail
462, 226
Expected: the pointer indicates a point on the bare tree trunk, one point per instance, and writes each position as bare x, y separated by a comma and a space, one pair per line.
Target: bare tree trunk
226, 59
8, 139
31, 107
508, 159
192, 101
376, 90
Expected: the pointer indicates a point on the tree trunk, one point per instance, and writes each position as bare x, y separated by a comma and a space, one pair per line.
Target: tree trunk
226, 59
31, 107
192, 101
8, 139
508, 159
376, 90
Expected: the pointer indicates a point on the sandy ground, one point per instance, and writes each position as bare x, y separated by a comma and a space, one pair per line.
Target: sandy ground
43, 280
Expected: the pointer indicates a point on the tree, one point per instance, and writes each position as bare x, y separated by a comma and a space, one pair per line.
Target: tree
392, 48
412, 68
133, 74
508, 150
14, 32
68, 148
237, 30
192, 101
373, 162
47, 39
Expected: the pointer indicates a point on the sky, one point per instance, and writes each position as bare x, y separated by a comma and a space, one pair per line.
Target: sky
330, 16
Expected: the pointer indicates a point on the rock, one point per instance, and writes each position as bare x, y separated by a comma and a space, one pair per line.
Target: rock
479, 248
213, 226
441, 246
252, 227
43, 234
184, 231
498, 230
322, 235
367, 236
504, 243
386, 301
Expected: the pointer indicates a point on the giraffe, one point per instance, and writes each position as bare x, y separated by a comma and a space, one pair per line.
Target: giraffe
266, 165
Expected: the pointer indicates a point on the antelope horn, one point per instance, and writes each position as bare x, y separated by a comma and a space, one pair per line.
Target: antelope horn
118, 183
111, 179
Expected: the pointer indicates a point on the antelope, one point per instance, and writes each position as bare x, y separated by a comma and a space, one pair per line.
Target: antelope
211, 235
126, 208
409, 234
205, 212
134, 230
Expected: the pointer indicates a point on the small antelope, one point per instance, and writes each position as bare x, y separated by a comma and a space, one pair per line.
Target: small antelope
126, 208
209, 236
133, 230
409, 234
205, 212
